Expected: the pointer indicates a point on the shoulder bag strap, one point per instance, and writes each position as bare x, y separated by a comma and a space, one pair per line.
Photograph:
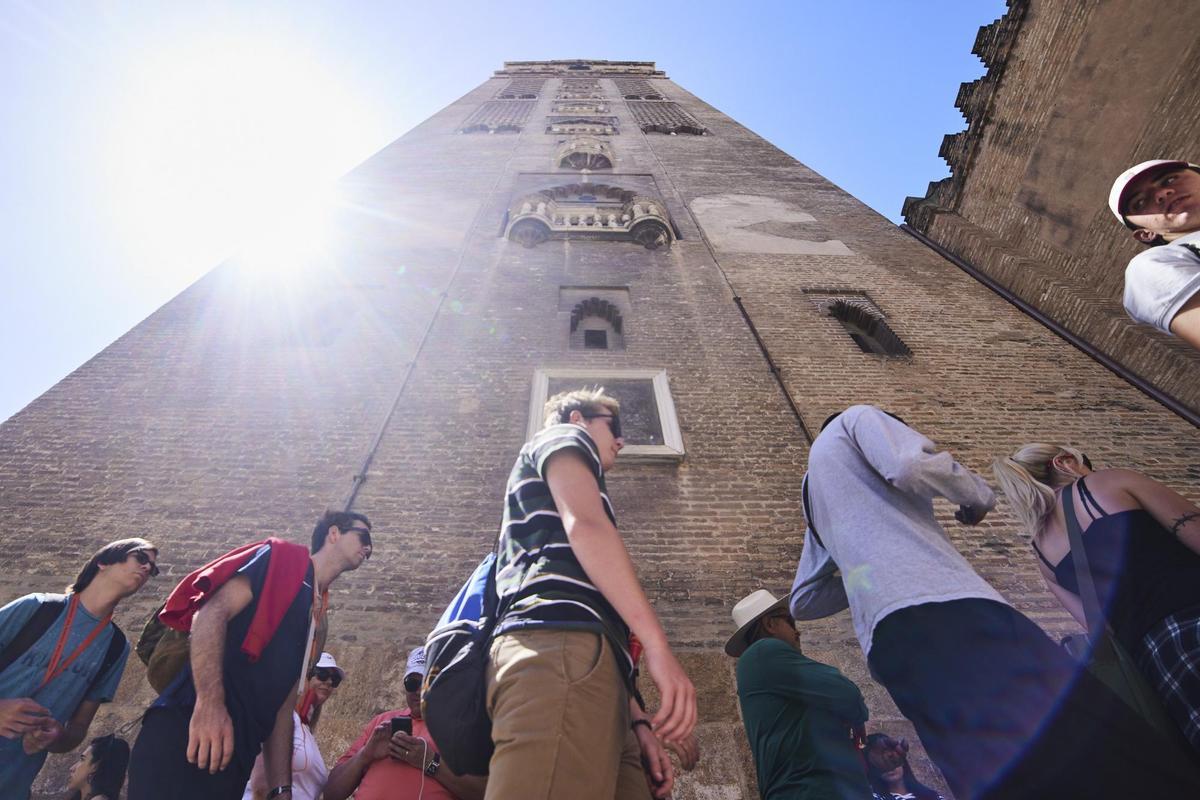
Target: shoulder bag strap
1093, 611
43, 617
116, 646
812, 526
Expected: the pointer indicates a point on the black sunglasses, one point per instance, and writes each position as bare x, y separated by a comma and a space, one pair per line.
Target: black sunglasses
412, 682
143, 558
364, 535
327, 675
614, 422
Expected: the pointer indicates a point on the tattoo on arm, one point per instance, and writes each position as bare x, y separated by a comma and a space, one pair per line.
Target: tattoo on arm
1184, 520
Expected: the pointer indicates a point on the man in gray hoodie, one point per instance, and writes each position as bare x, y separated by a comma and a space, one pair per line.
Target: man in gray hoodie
999, 707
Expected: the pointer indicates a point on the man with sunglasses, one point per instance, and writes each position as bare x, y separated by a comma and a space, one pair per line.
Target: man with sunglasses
560, 681
803, 718
249, 638
61, 657
398, 761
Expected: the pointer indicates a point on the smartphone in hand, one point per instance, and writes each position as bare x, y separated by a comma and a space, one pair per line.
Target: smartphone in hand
402, 724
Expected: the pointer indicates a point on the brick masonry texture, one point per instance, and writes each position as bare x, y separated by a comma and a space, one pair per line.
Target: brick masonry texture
244, 407
1074, 94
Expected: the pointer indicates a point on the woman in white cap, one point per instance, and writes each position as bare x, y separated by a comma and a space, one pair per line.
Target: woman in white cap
309, 772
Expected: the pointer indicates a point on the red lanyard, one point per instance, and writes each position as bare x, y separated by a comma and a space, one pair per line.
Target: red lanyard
54, 668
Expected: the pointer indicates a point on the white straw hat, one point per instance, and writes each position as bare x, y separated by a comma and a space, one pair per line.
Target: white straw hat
746, 614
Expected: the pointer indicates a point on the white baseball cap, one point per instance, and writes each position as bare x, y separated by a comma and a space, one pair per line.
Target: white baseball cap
746, 614
1117, 193
326, 662
416, 662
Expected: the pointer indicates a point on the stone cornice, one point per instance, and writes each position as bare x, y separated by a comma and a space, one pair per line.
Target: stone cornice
580, 68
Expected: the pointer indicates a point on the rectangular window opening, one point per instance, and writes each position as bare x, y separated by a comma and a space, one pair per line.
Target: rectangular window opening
595, 340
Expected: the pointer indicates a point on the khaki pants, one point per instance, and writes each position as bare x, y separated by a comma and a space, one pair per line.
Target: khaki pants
560, 720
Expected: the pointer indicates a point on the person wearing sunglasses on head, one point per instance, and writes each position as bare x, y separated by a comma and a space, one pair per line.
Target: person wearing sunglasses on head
395, 757
61, 657
309, 772
256, 620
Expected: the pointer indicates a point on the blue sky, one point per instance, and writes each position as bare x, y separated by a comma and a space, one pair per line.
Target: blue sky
142, 143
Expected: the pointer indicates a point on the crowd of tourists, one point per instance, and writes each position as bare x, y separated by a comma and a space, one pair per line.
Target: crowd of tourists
528, 687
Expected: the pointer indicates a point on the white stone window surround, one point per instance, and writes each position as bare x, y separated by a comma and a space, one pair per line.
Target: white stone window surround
671, 450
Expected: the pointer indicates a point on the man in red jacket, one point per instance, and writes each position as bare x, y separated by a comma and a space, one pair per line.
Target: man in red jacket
255, 612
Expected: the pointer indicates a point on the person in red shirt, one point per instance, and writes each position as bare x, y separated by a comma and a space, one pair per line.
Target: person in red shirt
382, 765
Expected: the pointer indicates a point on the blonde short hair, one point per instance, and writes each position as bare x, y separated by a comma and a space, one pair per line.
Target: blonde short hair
559, 407
1027, 480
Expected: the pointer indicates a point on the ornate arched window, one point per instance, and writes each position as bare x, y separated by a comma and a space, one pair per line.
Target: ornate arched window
584, 152
589, 211
596, 324
868, 329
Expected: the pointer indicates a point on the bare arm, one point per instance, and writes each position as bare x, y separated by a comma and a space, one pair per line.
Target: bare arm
597, 544
277, 750
464, 787
77, 727
1168, 507
1186, 322
258, 780
210, 734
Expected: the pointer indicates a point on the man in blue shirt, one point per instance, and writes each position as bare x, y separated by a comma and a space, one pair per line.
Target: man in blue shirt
50, 692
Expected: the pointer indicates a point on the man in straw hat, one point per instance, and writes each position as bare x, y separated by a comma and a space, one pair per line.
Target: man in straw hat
802, 717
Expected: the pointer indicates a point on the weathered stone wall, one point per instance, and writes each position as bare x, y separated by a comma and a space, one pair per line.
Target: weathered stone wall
237, 410
1075, 93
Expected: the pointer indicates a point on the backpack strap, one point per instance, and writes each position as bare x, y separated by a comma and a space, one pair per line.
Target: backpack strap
43, 617
812, 526
1093, 611
1191, 247
116, 646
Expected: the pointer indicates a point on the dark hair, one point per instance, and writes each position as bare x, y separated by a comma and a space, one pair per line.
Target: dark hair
342, 520
110, 754
914, 786
111, 553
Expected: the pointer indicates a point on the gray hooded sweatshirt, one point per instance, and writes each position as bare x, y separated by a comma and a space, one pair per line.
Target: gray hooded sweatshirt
871, 484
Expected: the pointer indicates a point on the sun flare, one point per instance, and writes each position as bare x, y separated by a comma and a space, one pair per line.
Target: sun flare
231, 146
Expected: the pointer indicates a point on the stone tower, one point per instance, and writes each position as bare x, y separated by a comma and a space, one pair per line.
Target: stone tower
564, 223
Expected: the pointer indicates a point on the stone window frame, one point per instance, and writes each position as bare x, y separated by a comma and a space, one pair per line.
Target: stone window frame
594, 152
600, 308
613, 213
671, 450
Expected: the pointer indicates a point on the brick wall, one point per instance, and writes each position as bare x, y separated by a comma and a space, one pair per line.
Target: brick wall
1075, 93
245, 407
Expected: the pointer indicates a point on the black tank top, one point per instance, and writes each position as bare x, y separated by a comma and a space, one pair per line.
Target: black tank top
1142, 571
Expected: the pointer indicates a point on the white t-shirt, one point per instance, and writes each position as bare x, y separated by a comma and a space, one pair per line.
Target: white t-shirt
1160, 280
309, 772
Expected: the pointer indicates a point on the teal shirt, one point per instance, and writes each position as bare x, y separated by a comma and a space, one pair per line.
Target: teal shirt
798, 714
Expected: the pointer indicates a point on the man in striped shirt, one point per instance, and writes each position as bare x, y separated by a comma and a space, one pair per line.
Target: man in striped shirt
561, 677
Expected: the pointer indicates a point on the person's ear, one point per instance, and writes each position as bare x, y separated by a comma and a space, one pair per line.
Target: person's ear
576, 417
1066, 463
1144, 235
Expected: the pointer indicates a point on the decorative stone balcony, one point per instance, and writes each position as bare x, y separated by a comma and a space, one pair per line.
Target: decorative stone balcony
589, 211
595, 126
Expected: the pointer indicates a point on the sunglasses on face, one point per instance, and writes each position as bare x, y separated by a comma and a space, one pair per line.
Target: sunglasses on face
326, 675
614, 422
364, 536
412, 682
143, 558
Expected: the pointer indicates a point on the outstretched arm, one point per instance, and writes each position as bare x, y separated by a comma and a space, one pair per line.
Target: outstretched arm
597, 544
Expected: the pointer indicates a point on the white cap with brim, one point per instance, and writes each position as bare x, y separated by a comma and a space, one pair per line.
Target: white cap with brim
416, 662
746, 614
1117, 193
326, 662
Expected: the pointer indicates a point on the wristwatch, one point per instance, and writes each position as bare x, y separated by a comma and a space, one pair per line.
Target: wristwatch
434, 765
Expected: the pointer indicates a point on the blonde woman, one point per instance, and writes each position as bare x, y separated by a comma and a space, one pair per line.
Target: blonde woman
1143, 549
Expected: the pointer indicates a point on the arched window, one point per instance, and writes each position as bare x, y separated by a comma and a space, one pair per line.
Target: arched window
596, 324
584, 152
868, 329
